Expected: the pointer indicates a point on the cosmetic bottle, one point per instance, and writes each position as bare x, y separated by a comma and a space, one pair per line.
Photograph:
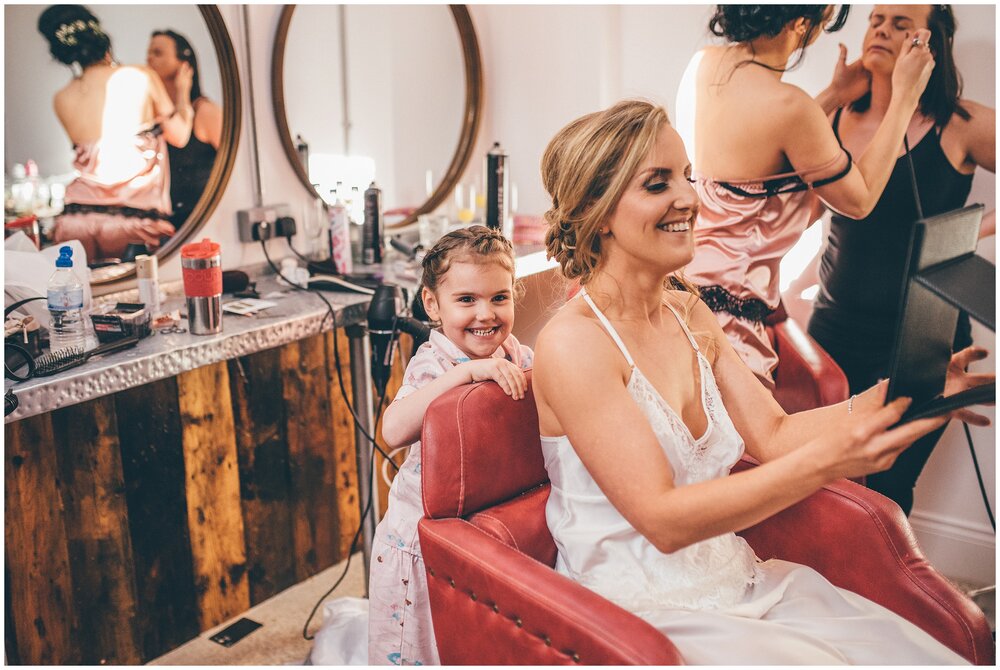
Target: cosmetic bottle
340, 235
497, 190
372, 239
302, 149
146, 272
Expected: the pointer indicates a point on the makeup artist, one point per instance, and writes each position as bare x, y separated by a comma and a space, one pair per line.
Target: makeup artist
947, 138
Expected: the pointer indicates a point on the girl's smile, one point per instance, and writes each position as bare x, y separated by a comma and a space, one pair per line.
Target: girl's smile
475, 304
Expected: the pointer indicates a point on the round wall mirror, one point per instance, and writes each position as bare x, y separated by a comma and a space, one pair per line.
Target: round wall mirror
375, 93
128, 166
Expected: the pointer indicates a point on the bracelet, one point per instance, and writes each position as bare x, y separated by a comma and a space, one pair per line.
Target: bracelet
850, 403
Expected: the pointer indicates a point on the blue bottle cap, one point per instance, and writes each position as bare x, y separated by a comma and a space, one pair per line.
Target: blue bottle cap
65, 259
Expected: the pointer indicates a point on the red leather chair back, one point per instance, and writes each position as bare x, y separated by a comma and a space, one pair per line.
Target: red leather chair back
495, 475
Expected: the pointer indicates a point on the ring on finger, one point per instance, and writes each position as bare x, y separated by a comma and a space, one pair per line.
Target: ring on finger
917, 42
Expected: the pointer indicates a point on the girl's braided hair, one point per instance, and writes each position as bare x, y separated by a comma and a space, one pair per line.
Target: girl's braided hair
475, 244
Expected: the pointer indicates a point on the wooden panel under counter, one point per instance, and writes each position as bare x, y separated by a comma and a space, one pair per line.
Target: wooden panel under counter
136, 520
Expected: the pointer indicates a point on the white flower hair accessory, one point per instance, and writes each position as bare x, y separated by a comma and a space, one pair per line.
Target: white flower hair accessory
66, 33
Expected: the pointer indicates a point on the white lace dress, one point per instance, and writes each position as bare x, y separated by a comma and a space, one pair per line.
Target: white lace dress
715, 600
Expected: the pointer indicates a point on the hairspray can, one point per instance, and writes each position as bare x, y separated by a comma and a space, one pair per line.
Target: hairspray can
372, 240
149, 289
497, 178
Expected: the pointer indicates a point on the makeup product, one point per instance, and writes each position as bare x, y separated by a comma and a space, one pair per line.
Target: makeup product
372, 241
497, 189
340, 236
201, 267
124, 320
147, 275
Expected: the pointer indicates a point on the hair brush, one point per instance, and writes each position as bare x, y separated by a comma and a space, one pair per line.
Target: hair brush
64, 359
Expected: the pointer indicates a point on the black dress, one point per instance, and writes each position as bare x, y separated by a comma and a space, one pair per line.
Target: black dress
190, 167
861, 283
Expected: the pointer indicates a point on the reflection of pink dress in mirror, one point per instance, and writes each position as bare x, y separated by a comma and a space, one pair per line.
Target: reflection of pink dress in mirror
121, 195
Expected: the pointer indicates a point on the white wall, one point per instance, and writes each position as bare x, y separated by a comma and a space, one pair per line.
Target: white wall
546, 65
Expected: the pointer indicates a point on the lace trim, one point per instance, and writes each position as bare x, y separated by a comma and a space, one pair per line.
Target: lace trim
708, 456
719, 299
712, 574
115, 210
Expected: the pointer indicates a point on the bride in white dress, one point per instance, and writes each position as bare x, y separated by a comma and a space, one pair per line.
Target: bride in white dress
628, 373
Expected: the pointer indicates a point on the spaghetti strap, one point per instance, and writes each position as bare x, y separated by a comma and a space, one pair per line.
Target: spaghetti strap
683, 327
611, 329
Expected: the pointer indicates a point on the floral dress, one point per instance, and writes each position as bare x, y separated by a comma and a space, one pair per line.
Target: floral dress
399, 619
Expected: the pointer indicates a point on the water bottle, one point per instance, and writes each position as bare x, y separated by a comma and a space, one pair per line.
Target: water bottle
65, 295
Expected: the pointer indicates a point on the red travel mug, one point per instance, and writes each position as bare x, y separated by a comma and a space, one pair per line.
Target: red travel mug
201, 267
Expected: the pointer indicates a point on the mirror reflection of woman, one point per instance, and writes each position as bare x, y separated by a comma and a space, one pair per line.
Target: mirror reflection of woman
861, 273
190, 163
118, 117
747, 123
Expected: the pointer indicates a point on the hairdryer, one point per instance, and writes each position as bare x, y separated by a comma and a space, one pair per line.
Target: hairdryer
387, 318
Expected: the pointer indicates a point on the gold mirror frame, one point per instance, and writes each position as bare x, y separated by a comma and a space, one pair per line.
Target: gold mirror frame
226, 155
471, 117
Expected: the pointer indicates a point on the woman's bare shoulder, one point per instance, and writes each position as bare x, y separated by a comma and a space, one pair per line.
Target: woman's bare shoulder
572, 333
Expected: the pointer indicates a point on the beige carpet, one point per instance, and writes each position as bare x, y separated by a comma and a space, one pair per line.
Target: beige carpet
279, 641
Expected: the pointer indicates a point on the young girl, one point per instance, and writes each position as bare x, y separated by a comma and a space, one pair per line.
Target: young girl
468, 286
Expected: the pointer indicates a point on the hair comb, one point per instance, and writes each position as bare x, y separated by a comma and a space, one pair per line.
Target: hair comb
57, 361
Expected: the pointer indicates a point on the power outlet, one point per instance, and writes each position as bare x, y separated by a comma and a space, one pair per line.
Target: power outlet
257, 223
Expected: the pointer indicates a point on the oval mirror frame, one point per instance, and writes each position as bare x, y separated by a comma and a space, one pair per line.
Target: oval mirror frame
471, 116
226, 156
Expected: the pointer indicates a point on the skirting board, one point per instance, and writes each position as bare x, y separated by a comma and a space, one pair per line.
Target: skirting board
956, 548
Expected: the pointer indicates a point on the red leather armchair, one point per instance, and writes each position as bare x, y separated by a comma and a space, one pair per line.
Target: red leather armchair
495, 598
806, 377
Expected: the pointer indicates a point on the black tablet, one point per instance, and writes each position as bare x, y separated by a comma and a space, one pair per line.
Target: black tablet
926, 328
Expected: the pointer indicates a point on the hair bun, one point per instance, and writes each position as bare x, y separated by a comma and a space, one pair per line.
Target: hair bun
74, 34
742, 23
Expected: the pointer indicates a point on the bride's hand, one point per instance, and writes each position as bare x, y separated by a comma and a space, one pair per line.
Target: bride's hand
959, 379
865, 443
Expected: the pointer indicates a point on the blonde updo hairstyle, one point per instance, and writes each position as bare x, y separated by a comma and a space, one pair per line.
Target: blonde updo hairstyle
475, 244
586, 169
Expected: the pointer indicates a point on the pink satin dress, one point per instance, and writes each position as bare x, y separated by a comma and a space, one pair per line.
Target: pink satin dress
121, 195
740, 242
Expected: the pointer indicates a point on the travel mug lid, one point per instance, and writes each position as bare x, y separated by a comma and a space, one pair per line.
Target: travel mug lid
204, 249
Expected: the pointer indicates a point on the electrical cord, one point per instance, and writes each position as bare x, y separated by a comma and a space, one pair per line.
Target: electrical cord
357, 422
288, 238
354, 542
336, 349
979, 476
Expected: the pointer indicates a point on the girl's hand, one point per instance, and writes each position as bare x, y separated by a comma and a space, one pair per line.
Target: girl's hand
503, 372
913, 67
959, 379
850, 81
